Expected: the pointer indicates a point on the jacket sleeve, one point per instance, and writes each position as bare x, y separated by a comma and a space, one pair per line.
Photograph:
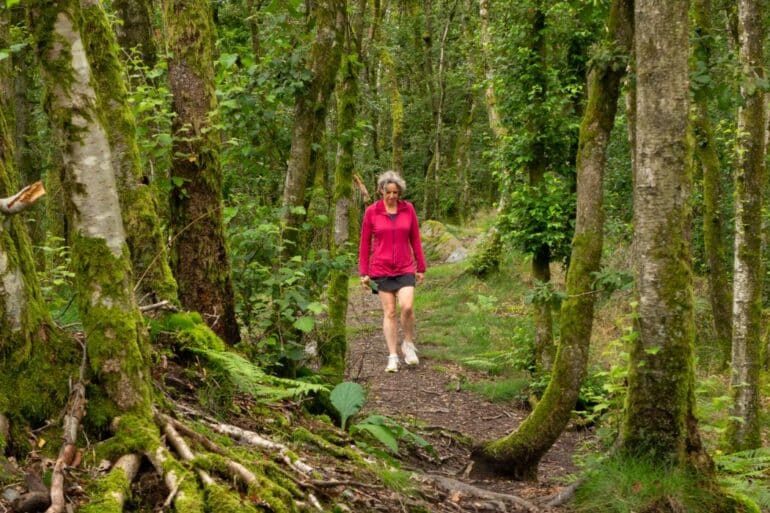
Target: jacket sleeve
364, 246
414, 239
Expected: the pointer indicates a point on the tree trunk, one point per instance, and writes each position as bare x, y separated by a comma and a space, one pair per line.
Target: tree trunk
519, 453
659, 421
713, 212
38, 357
153, 279
396, 112
199, 254
310, 111
254, 7
136, 31
495, 124
116, 345
334, 352
744, 427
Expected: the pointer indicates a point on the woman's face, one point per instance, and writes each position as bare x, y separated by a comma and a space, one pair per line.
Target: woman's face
391, 194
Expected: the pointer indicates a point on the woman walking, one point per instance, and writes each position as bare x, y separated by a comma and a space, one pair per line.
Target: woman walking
390, 255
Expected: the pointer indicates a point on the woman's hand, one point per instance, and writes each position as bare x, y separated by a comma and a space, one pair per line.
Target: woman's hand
365, 281
420, 277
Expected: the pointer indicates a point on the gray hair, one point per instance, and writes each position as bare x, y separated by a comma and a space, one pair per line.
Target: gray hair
390, 177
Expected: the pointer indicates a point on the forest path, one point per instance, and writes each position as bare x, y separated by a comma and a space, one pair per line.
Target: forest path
429, 397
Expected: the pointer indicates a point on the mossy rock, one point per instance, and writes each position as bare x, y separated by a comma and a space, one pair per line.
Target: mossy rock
440, 245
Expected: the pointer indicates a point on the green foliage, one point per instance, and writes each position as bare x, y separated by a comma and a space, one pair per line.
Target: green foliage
609, 280
56, 279
545, 293
626, 485
278, 298
746, 474
389, 433
541, 215
347, 398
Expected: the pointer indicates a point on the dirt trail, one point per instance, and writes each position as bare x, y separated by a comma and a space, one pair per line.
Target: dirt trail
430, 395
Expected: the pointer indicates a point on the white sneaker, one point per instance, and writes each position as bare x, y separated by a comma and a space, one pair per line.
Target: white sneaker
392, 363
410, 353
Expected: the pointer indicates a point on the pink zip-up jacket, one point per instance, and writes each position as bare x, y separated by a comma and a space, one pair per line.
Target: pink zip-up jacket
396, 242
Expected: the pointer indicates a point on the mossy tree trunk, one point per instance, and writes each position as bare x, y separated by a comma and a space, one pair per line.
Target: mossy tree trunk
310, 108
659, 421
713, 211
519, 453
153, 279
744, 426
38, 358
199, 254
136, 31
396, 112
117, 347
334, 351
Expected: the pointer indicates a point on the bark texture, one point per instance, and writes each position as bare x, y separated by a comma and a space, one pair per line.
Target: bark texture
115, 341
714, 242
659, 421
520, 452
199, 253
149, 257
744, 428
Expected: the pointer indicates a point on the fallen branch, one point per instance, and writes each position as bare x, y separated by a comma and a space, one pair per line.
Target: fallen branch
165, 305
452, 486
22, 199
76, 409
564, 495
359, 184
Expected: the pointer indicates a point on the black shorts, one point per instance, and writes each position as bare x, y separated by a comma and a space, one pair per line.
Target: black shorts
394, 283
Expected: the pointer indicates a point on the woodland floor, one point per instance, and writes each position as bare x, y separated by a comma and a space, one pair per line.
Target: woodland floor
429, 397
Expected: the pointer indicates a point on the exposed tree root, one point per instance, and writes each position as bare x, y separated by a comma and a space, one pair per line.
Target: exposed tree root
453, 486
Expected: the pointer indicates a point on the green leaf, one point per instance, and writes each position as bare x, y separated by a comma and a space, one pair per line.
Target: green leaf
11, 3
315, 307
652, 350
304, 324
381, 433
347, 398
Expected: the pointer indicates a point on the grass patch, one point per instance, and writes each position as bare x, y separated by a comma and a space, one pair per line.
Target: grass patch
501, 390
627, 485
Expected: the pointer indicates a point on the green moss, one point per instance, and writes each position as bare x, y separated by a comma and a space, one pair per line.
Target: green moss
135, 434
102, 490
221, 500
300, 434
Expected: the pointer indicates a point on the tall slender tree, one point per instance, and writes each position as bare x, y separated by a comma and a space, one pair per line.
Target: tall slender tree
744, 428
311, 104
136, 30
519, 453
199, 254
659, 422
708, 157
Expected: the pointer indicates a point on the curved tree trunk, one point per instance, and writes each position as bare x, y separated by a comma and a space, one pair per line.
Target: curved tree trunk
152, 274
115, 341
744, 427
659, 421
713, 211
519, 453
199, 254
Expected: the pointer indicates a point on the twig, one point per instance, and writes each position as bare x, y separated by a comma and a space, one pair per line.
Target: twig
452, 485
165, 304
76, 409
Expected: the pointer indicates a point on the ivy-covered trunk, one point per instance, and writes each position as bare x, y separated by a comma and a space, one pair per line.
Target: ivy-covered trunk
659, 421
310, 109
713, 210
117, 348
136, 31
149, 257
199, 254
520, 452
744, 426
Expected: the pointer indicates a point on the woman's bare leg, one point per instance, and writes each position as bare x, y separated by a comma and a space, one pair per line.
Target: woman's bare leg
406, 302
389, 322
